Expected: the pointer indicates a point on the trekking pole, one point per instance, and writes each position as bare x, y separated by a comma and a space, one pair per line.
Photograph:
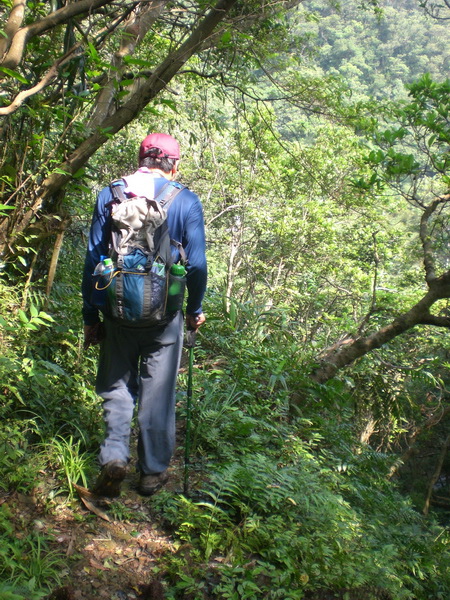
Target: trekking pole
190, 343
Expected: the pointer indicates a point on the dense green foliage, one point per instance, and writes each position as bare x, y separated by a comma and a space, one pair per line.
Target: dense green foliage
322, 208
376, 53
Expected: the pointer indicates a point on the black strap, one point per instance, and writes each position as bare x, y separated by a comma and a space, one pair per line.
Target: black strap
167, 196
117, 190
179, 247
162, 237
119, 295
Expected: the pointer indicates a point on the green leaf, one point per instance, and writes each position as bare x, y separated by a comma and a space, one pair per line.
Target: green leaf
80, 173
136, 61
226, 38
170, 103
44, 315
376, 156
60, 171
38, 321
14, 74
22, 316
53, 367
93, 51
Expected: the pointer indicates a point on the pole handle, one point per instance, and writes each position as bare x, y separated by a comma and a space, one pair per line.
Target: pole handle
191, 335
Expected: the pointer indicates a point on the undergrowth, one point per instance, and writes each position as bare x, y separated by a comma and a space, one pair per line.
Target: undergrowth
28, 566
291, 503
49, 425
266, 528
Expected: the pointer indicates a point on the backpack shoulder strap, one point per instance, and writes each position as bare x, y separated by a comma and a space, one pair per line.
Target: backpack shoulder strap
117, 188
167, 195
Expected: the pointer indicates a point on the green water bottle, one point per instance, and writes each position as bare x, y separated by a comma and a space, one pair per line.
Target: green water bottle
177, 285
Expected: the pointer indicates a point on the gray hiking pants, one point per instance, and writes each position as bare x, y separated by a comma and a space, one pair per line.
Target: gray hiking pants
140, 365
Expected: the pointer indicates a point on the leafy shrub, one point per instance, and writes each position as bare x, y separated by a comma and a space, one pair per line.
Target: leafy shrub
294, 504
41, 366
277, 530
18, 465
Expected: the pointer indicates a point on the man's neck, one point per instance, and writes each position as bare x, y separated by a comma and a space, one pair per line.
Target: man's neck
157, 172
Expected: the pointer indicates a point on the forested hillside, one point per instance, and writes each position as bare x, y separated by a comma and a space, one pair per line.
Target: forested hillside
317, 136
377, 53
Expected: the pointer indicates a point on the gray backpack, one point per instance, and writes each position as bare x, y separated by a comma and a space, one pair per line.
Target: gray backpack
136, 284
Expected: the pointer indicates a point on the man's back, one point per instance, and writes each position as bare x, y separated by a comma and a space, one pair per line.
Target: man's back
186, 226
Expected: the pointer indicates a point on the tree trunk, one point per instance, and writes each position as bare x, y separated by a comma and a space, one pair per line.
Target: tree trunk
134, 32
413, 437
342, 354
54, 262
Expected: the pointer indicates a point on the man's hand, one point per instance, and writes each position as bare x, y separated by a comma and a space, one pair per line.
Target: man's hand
93, 335
193, 322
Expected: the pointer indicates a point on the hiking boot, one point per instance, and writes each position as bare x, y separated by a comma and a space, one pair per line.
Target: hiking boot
110, 478
149, 484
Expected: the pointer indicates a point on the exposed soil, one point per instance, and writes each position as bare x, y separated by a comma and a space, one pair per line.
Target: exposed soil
105, 559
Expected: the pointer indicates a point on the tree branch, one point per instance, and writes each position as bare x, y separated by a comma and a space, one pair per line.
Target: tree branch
433, 9
347, 352
374, 285
14, 54
222, 212
134, 32
43, 83
436, 474
429, 423
351, 351
129, 111
12, 25
430, 319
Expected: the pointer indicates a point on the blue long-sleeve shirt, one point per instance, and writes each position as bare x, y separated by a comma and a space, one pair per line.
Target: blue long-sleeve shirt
186, 225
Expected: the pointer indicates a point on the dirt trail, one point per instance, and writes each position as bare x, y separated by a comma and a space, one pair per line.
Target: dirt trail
105, 559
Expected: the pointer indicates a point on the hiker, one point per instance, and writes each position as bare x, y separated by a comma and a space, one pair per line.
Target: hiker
140, 364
